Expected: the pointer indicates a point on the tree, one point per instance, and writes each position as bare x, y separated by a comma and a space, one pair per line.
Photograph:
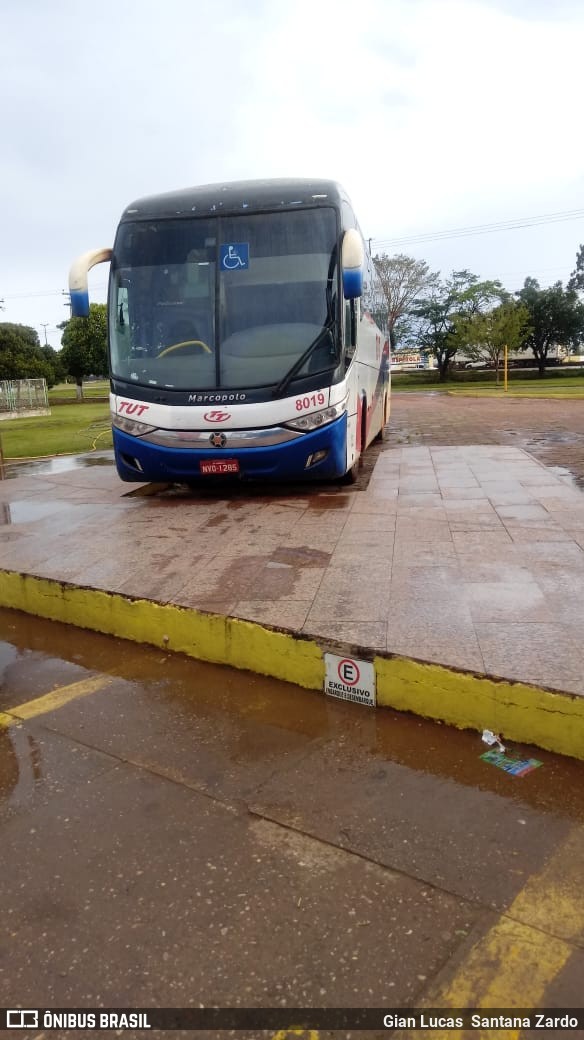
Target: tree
556, 318
21, 355
505, 326
445, 316
84, 345
406, 332
27, 336
402, 280
55, 361
576, 281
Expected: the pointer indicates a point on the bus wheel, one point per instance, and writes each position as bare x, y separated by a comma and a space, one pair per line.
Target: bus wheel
380, 436
350, 477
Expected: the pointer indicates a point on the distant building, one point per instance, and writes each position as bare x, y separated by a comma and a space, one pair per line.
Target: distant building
402, 360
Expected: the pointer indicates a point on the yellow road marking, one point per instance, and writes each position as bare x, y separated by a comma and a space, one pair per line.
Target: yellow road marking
53, 700
512, 965
509, 968
552, 900
283, 1034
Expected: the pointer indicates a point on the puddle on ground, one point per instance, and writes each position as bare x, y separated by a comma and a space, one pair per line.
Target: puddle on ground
300, 556
248, 717
550, 447
57, 464
550, 438
27, 511
328, 501
567, 477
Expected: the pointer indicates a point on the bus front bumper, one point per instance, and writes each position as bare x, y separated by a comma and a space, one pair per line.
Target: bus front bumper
319, 455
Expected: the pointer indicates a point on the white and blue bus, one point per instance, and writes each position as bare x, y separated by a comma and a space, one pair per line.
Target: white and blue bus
241, 339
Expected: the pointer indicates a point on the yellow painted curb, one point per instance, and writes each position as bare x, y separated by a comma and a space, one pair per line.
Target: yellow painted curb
518, 711
207, 637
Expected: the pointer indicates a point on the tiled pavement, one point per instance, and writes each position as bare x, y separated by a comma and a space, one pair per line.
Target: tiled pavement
467, 555
551, 429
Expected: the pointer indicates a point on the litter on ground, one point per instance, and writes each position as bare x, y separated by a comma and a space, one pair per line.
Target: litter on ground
514, 766
491, 738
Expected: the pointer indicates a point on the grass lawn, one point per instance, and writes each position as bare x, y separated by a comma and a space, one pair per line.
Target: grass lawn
68, 391
543, 388
69, 429
556, 383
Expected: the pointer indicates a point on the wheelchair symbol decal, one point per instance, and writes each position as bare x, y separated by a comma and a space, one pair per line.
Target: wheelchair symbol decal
234, 256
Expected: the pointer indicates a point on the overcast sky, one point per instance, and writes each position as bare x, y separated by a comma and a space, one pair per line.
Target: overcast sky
434, 114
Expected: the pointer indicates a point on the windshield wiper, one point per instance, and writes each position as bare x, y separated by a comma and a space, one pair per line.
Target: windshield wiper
284, 383
328, 329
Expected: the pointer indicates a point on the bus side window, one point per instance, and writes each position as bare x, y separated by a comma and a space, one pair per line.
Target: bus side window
350, 329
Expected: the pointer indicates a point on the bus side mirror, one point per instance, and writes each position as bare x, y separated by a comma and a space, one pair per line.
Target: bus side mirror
352, 260
78, 280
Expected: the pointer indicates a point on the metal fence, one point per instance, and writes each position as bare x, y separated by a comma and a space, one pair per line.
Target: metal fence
23, 397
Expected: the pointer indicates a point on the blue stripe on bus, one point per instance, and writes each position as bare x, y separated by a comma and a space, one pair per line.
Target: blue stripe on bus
352, 282
79, 303
276, 462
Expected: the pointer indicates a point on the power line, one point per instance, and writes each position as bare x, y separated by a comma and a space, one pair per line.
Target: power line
47, 292
484, 229
30, 296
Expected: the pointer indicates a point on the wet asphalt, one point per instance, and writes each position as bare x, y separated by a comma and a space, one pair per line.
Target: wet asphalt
190, 835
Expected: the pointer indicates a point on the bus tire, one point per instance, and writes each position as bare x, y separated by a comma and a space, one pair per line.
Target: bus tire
352, 474
350, 477
380, 435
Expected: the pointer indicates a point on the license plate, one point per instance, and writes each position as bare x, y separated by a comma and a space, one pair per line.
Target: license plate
219, 466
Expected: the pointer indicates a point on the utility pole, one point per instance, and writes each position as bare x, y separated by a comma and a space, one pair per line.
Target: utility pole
44, 326
68, 304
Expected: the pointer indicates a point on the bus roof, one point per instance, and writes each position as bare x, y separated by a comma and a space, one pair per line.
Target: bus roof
237, 196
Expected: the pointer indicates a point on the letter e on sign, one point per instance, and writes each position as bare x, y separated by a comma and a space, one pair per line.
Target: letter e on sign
349, 673
350, 680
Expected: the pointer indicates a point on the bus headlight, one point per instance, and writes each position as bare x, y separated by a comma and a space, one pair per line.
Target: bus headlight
316, 419
131, 426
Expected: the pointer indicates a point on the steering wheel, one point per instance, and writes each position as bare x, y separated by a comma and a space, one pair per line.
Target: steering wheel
185, 343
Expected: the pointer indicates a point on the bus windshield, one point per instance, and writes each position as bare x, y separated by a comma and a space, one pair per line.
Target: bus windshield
230, 302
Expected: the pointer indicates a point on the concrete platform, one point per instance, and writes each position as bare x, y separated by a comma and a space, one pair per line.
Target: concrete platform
459, 571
